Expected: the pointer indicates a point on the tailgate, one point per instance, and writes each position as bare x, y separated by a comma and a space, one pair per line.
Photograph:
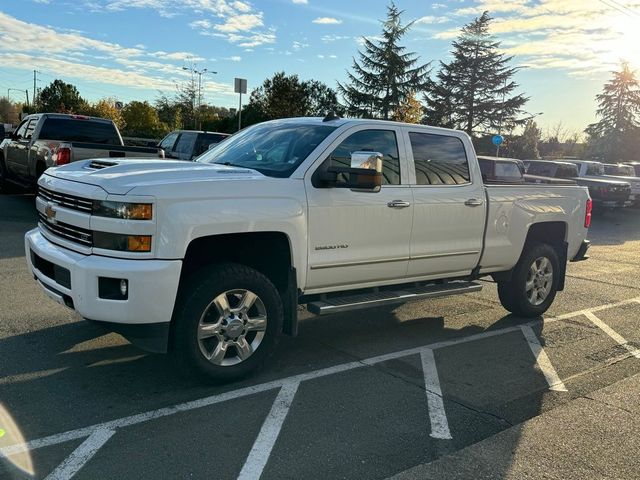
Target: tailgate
83, 151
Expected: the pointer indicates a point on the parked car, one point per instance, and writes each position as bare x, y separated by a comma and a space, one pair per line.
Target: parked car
51, 139
619, 169
213, 257
604, 192
497, 170
636, 167
189, 144
593, 169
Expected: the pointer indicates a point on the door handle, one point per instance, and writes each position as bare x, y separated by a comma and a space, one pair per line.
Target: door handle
473, 202
398, 204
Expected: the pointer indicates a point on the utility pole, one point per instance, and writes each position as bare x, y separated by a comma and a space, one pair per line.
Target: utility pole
26, 92
35, 72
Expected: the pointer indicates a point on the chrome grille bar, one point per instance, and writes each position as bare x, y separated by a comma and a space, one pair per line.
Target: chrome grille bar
69, 201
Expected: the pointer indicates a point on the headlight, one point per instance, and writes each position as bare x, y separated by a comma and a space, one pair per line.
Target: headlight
125, 243
127, 211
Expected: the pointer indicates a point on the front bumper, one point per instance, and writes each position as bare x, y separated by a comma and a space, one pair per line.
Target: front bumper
71, 278
582, 252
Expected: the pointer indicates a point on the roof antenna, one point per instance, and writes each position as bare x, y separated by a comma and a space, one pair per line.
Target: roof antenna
331, 115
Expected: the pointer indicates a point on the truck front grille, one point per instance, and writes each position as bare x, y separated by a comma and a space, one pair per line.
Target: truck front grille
66, 231
68, 201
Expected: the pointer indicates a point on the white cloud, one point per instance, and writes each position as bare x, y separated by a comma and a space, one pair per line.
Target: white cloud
240, 23
432, 19
301, 2
235, 58
334, 38
326, 21
299, 45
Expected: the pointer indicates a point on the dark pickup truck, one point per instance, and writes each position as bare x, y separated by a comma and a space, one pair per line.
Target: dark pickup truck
497, 170
189, 144
603, 192
52, 139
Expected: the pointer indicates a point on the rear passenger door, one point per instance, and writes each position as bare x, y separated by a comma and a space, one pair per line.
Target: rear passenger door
185, 146
449, 205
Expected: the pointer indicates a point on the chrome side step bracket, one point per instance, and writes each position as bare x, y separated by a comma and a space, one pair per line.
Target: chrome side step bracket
369, 300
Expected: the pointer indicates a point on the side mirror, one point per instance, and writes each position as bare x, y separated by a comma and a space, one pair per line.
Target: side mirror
365, 172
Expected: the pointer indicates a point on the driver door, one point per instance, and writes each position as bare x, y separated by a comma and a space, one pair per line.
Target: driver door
360, 237
17, 152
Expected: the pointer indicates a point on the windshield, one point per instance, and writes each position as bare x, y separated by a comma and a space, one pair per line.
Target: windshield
275, 150
595, 169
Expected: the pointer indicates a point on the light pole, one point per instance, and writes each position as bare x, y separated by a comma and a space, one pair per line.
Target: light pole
9, 90
193, 70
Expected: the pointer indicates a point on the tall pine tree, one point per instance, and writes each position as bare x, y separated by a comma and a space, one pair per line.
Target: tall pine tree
475, 91
386, 74
617, 135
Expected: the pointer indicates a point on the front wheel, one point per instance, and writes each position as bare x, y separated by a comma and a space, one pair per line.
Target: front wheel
534, 282
227, 323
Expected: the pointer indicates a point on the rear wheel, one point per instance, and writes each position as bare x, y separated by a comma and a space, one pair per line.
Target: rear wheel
534, 282
228, 322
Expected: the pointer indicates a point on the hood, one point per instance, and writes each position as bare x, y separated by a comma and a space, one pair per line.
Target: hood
600, 181
120, 176
633, 181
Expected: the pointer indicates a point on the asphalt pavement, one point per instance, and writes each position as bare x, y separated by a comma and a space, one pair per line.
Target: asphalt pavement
447, 388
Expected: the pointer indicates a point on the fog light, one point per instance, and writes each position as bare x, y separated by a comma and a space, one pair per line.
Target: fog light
123, 287
113, 288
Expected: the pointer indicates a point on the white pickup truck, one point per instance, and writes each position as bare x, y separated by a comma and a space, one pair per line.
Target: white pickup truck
210, 259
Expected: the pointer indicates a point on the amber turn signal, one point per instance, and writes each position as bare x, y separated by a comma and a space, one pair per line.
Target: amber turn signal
139, 243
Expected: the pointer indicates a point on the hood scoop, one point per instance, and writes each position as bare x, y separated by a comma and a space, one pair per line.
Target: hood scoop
100, 164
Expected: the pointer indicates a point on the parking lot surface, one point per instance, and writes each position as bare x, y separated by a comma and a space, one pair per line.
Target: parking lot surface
370, 394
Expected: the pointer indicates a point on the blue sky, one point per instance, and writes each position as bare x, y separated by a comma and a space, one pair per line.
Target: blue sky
133, 49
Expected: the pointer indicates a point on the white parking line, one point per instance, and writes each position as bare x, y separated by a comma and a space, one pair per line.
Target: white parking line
261, 450
437, 414
81, 455
612, 333
543, 361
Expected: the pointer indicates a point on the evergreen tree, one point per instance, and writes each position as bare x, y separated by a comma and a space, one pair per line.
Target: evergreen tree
385, 74
617, 134
474, 91
525, 146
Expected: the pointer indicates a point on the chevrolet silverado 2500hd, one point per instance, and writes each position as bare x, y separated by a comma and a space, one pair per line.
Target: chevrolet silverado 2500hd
210, 259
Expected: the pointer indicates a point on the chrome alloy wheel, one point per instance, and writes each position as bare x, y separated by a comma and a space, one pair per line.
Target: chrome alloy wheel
232, 327
539, 280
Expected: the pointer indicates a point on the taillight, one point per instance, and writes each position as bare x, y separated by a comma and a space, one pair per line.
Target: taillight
587, 215
63, 156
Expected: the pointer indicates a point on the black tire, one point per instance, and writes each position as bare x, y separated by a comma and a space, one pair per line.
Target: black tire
199, 292
513, 293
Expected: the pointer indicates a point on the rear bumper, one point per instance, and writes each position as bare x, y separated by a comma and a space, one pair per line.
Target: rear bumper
71, 278
582, 252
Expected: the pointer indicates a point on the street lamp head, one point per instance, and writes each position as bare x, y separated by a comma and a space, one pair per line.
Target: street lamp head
185, 68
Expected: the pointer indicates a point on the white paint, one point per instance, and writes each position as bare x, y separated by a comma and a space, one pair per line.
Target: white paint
437, 414
544, 363
261, 450
81, 455
255, 389
619, 339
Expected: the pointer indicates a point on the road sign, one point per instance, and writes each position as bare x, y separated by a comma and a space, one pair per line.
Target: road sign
240, 85
497, 140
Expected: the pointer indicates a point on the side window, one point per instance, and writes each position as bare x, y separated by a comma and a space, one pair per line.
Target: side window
439, 159
20, 131
382, 141
168, 141
186, 143
508, 171
30, 128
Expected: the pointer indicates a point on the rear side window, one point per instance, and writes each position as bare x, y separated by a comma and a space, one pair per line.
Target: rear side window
439, 159
186, 143
508, 171
542, 169
167, 143
79, 130
567, 171
206, 139
381, 141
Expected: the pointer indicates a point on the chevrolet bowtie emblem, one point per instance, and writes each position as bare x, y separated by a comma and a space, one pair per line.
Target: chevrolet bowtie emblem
50, 212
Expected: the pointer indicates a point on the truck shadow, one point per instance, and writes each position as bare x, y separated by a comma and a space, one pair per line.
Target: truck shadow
84, 376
